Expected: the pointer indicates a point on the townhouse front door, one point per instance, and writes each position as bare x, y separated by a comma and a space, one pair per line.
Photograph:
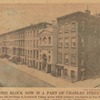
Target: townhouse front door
44, 62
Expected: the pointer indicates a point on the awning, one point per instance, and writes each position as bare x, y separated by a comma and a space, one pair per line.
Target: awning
61, 66
83, 69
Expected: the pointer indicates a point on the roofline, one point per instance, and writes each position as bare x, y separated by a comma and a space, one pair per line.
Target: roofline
30, 26
71, 14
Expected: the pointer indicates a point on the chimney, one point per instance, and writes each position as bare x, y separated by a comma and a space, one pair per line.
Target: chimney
88, 12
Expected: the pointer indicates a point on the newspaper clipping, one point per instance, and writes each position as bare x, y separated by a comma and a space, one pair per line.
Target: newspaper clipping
50, 50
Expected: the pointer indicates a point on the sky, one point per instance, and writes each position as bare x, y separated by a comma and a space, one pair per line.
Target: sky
15, 16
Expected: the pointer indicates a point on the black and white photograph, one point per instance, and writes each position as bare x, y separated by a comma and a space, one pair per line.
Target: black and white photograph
50, 45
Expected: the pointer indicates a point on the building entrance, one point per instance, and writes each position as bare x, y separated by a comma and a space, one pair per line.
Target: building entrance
82, 74
44, 62
49, 68
58, 72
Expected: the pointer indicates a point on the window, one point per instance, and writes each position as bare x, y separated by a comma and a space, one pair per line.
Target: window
34, 43
72, 74
73, 27
66, 28
45, 40
18, 41
60, 58
30, 43
82, 63
33, 34
66, 58
22, 35
73, 41
83, 25
66, 72
37, 54
49, 40
73, 59
28, 34
49, 58
37, 43
66, 42
31, 54
21, 43
40, 54
61, 29
24, 43
82, 41
60, 42
49, 52
36, 33
28, 53
23, 52
40, 41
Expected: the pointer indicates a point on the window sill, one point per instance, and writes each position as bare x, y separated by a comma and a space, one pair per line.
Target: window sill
60, 47
66, 47
66, 32
73, 31
73, 47
73, 65
60, 33
66, 64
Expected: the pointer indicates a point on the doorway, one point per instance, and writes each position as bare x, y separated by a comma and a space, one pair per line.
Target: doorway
59, 72
82, 75
49, 68
44, 62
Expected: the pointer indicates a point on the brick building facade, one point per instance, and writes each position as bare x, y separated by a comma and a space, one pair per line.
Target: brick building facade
78, 46
68, 49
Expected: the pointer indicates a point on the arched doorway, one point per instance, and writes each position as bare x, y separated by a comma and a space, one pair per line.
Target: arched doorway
44, 62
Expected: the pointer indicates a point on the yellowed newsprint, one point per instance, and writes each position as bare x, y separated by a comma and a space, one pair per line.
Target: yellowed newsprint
50, 50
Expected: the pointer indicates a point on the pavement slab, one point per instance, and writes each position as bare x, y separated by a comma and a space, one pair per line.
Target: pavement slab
55, 81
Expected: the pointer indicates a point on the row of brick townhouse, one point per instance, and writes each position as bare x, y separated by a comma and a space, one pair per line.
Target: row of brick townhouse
78, 46
69, 49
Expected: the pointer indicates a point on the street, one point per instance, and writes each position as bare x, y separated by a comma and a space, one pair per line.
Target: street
12, 77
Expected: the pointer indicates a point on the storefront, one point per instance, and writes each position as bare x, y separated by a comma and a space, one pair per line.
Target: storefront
59, 71
49, 68
82, 74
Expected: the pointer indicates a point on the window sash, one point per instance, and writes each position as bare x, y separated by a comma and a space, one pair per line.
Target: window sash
73, 59
66, 58
61, 29
73, 41
66, 42
73, 28
66, 28
60, 42
60, 58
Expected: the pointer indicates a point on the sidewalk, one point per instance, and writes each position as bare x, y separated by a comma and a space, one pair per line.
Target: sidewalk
56, 82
